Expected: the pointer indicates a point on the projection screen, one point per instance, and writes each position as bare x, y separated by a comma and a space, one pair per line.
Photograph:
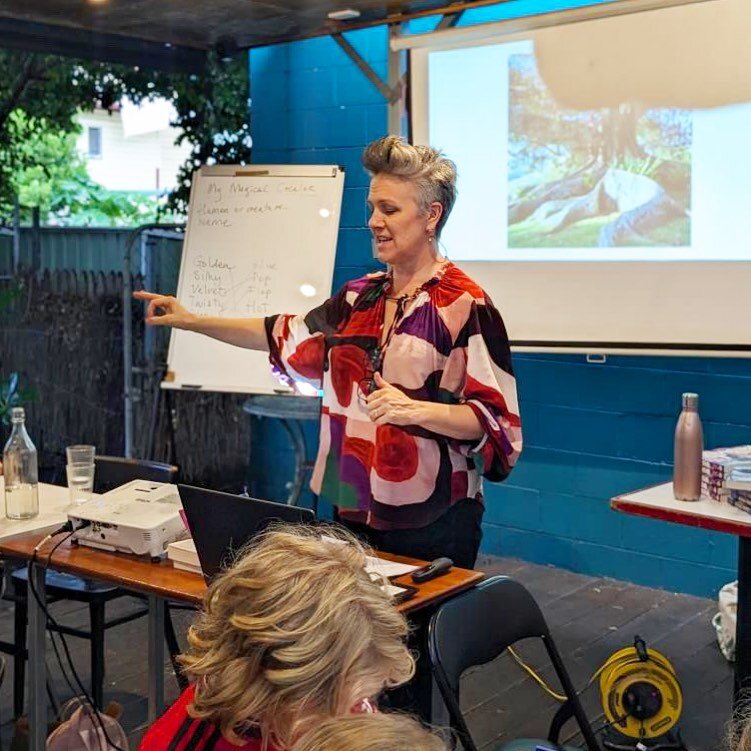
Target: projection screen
604, 160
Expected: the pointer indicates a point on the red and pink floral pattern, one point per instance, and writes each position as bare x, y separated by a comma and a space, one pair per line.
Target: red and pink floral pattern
449, 345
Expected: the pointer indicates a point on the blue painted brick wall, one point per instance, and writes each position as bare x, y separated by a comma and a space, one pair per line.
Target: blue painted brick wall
311, 105
591, 430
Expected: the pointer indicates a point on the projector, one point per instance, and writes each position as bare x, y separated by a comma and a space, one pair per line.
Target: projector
139, 517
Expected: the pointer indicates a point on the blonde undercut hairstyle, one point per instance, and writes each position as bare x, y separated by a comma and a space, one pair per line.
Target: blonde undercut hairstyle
432, 173
370, 732
292, 632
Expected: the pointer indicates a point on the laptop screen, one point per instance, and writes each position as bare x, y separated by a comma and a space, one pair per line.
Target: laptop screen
222, 523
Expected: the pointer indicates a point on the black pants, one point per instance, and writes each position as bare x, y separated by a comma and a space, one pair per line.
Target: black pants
456, 535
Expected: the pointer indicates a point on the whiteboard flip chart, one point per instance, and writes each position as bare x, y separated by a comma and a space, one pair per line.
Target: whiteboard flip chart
260, 240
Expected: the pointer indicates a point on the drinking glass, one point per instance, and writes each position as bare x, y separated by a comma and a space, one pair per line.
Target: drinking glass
80, 454
80, 482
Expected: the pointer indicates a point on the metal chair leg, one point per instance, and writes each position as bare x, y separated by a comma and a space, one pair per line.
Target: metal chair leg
20, 618
96, 613
174, 648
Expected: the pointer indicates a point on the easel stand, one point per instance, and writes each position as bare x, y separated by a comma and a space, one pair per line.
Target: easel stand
144, 235
163, 399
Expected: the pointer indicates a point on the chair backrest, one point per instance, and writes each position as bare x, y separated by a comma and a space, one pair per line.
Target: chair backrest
113, 471
475, 627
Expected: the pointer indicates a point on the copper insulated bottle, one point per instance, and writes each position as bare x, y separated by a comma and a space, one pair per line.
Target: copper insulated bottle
689, 444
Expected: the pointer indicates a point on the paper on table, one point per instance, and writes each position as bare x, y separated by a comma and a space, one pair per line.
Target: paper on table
393, 590
380, 566
386, 568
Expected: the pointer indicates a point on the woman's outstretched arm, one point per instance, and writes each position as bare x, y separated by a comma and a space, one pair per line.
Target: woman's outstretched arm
165, 310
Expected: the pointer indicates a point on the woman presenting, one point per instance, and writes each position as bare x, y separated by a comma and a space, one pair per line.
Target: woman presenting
419, 398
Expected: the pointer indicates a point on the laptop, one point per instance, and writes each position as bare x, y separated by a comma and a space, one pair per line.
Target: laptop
222, 523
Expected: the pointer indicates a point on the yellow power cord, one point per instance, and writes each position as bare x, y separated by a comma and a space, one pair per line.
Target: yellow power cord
536, 676
619, 673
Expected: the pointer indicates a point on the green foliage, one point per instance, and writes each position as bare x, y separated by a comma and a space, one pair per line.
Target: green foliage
647, 166
49, 173
43, 162
212, 112
87, 203
8, 397
11, 396
8, 294
582, 234
41, 94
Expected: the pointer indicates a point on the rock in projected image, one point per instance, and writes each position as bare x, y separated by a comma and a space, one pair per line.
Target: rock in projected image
594, 178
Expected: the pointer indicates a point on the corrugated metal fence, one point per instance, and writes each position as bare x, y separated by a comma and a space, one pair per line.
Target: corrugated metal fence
90, 249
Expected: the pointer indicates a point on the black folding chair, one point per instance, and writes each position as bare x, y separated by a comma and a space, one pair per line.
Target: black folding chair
113, 471
474, 628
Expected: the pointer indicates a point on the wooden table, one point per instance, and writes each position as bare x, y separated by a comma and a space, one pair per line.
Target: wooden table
657, 502
160, 582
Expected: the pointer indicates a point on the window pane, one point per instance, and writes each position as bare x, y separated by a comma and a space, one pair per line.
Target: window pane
95, 141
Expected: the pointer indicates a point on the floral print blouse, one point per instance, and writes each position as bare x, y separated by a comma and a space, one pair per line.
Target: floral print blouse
448, 344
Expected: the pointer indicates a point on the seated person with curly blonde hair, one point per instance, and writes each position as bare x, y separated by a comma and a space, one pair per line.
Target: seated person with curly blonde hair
294, 633
370, 732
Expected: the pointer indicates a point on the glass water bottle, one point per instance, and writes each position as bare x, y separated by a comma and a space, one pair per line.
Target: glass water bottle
20, 471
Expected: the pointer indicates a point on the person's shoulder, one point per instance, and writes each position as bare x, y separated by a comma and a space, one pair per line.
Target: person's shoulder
458, 294
460, 281
161, 734
353, 288
361, 282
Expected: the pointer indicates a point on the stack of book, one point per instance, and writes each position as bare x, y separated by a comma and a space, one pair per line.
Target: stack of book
183, 556
738, 486
716, 466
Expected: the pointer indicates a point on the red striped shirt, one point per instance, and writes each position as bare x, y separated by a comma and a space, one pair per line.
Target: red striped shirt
176, 730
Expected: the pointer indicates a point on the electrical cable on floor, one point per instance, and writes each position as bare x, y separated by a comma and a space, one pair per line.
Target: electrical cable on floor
43, 605
536, 677
63, 669
546, 687
50, 693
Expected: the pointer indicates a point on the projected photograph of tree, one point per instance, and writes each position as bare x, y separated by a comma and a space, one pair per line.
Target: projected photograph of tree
595, 178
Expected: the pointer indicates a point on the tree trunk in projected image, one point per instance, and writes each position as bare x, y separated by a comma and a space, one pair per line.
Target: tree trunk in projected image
610, 177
